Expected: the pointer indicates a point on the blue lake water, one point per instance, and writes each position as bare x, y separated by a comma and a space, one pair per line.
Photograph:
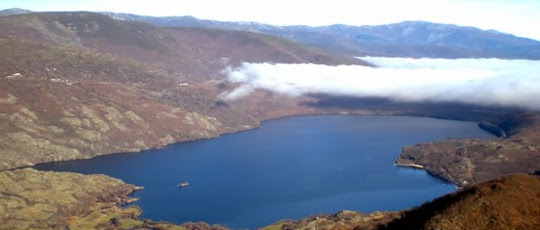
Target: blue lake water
288, 168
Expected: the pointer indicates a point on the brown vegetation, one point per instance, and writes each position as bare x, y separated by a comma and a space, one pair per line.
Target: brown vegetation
31, 199
201, 53
339, 221
49, 200
77, 85
466, 161
511, 202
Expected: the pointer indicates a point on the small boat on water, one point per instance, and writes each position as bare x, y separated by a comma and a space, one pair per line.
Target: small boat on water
183, 184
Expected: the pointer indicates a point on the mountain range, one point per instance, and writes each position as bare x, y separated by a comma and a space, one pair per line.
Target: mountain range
13, 11
406, 39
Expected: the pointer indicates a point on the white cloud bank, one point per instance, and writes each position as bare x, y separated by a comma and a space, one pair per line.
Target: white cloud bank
476, 81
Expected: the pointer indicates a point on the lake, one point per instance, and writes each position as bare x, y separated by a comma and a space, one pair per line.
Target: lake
287, 168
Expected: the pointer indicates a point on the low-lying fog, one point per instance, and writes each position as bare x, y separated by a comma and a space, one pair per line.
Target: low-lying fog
476, 81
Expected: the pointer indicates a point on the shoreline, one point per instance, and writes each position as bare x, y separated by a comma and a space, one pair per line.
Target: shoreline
131, 198
410, 165
421, 167
248, 128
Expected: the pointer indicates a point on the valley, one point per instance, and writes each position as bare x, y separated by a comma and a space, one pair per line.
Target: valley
77, 85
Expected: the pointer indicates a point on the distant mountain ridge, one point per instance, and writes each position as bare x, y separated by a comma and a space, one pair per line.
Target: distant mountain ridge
414, 39
12, 11
405, 39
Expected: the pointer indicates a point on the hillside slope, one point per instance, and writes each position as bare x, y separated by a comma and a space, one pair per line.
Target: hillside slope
70, 104
511, 202
193, 51
77, 85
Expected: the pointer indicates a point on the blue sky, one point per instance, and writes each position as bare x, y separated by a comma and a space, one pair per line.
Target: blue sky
520, 17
